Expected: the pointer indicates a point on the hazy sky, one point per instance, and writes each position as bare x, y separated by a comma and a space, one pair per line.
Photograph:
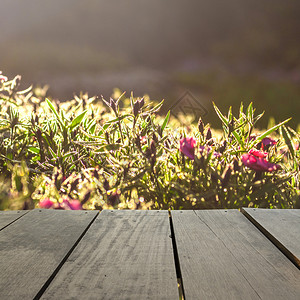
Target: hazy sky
160, 47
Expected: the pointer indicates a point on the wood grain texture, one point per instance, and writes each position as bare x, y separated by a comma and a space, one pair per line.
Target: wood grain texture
223, 256
34, 246
281, 226
10, 216
124, 255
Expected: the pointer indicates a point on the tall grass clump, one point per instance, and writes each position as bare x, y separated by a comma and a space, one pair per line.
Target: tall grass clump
95, 153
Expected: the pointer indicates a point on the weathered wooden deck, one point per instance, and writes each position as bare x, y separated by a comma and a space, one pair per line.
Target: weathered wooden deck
213, 254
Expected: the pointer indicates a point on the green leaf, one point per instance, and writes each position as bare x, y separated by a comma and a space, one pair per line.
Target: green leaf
109, 147
34, 150
165, 121
220, 115
54, 111
68, 154
63, 118
255, 119
229, 117
225, 123
157, 107
77, 120
52, 153
288, 140
93, 128
242, 110
250, 113
24, 91
117, 119
238, 138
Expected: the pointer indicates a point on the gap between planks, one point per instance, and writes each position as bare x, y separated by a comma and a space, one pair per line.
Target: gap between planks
272, 238
21, 214
176, 261
48, 282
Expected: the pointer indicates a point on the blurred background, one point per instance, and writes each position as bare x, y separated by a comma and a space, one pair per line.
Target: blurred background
225, 51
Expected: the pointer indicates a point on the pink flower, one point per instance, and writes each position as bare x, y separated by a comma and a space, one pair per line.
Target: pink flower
46, 203
266, 143
2, 78
66, 204
258, 162
187, 147
258, 153
75, 205
71, 204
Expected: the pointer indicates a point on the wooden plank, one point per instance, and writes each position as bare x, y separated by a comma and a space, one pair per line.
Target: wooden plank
281, 226
10, 216
223, 256
32, 248
124, 255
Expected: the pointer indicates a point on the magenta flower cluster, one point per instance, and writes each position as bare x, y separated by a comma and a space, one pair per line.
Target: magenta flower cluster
254, 159
66, 204
187, 147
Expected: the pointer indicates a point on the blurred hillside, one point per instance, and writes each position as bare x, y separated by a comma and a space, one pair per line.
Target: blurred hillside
228, 51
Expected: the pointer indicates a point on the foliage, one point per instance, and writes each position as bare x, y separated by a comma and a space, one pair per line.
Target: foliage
121, 154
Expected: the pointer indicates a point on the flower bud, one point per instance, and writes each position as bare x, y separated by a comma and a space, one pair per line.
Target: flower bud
86, 197
208, 134
231, 125
159, 130
74, 184
96, 173
107, 137
155, 139
38, 134
136, 108
106, 184
201, 126
222, 147
112, 104
142, 103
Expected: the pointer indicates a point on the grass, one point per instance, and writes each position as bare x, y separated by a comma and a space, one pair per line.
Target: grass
120, 153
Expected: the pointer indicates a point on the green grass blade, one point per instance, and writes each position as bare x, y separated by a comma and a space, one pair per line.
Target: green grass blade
54, 111
220, 115
157, 107
77, 120
166, 120
288, 140
34, 150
